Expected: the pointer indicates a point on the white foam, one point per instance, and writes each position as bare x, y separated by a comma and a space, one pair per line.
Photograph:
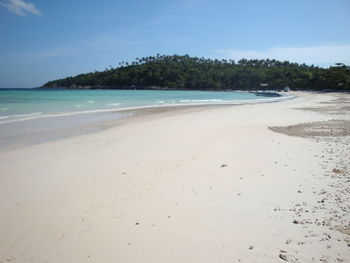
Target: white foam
20, 117
37, 115
212, 100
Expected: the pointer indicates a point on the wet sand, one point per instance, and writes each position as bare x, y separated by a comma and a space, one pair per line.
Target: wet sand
247, 183
24, 133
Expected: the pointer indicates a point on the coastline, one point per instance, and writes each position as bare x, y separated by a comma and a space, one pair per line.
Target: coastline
198, 184
50, 127
181, 103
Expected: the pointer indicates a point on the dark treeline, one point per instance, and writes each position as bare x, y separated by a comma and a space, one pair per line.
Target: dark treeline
192, 73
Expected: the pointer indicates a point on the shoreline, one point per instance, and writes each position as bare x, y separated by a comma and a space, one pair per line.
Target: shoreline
43, 130
32, 116
40, 129
246, 183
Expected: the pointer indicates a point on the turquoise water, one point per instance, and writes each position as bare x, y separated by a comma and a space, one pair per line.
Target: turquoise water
19, 105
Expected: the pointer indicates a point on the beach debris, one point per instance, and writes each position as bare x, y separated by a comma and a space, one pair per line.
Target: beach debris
251, 247
223, 165
283, 257
336, 170
137, 223
296, 221
331, 128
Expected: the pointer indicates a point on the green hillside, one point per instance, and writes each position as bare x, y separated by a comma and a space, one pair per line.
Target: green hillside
193, 73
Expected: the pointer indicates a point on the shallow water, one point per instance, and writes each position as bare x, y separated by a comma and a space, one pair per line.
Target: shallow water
20, 105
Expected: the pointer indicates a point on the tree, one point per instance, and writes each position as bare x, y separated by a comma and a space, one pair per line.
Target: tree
185, 72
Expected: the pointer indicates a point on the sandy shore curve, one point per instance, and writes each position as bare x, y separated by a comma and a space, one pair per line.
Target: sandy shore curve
244, 183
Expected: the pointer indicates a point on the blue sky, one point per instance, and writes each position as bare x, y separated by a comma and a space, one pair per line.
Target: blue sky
43, 40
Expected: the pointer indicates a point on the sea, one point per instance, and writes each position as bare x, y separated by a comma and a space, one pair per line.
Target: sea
28, 104
33, 116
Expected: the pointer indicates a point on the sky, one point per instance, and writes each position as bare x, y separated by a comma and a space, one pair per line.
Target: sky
43, 40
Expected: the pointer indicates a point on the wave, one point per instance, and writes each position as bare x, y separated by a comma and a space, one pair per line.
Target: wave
37, 115
19, 117
211, 100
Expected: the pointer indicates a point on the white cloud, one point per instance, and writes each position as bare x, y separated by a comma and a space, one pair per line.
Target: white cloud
317, 55
20, 7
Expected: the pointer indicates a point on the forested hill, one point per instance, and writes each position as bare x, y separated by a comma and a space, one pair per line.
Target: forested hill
192, 73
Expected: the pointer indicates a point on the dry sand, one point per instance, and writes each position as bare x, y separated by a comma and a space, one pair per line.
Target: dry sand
221, 184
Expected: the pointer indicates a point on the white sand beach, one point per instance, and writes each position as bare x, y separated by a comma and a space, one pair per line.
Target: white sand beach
213, 184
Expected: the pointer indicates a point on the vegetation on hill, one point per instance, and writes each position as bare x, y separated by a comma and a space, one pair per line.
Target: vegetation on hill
193, 73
